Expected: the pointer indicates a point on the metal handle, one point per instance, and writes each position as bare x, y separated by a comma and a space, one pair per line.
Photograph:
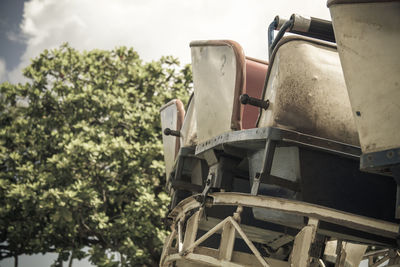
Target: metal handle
246, 99
168, 131
313, 27
306, 26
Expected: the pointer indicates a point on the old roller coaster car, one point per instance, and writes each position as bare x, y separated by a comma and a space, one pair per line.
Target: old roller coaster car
294, 161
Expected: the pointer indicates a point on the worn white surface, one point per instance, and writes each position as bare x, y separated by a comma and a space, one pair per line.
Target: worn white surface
307, 92
189, 126
354, 253
368, 38
169, 119
214, 76
286, 165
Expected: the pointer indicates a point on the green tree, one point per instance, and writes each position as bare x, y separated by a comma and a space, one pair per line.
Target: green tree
81, 156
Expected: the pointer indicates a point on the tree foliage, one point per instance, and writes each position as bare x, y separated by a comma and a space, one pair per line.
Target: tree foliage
81, 156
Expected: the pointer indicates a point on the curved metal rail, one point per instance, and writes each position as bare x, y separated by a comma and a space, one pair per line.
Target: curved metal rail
188, 247
356, 222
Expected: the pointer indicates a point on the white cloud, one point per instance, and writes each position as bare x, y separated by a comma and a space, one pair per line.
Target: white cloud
153, 27
15, 37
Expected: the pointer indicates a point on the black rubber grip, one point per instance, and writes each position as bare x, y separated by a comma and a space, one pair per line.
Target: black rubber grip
168, 131
246, 99
320, 29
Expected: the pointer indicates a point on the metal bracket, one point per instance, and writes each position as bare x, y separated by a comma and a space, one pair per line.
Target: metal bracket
266, 166
209, 182
256, 184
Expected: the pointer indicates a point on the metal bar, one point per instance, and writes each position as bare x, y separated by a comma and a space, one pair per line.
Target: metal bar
280, 242
248, 242
255, 134
192, 225
205, 236
300, 256
180, 236
266, 167
227, 242
200, 258
352, 221
309, 210
319, 143
167, 246
271, 29
255, 234
340, 254
277, 134
370, 261
285, 27
380, 261
376, 253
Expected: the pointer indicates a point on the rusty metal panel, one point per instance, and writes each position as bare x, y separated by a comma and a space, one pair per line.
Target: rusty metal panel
368, 39
307, 92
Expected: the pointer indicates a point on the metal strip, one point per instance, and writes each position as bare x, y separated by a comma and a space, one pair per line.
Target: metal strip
249, 243
277, 134
349, 220
235, 136
203, 259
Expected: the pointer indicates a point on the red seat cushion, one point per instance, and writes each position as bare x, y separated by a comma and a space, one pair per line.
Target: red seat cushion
256, 72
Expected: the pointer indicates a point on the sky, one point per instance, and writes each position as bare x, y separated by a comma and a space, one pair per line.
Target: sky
154, 28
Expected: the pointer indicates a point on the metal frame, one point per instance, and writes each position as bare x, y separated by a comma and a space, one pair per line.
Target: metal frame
258, 136
189, 249
376, 258
257, 139
356, 222
380, 160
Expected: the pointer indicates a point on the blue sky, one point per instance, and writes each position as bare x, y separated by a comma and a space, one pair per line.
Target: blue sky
10, 18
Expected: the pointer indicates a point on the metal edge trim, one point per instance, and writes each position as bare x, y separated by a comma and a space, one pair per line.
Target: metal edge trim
357, 222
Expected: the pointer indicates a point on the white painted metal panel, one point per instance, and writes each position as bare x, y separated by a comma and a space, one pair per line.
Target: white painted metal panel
368, 38
214, 79
170, 119
189, 126
307, 92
